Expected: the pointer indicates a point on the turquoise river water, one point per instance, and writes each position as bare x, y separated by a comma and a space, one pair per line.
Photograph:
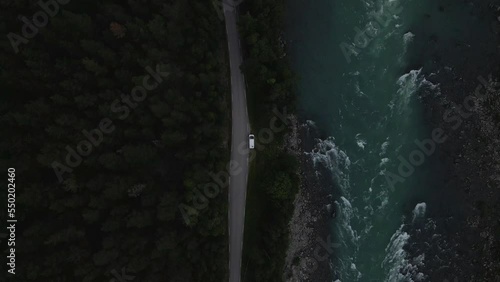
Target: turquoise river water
362, 93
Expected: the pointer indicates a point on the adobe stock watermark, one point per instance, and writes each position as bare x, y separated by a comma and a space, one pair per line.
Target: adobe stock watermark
95, 137
121, 277
39, 20
322, 251
219, 6
363, 37
455, 116
220, 180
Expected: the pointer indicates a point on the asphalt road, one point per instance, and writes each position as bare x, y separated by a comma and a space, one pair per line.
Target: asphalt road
239, 145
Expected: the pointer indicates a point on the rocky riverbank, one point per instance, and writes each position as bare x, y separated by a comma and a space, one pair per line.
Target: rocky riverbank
468, 110
308, 255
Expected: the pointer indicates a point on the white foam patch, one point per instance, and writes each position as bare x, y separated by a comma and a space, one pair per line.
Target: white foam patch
396, 262
395, 258
383, 147
383, 196
335, 160
408, 38
311, 123
408, 85
383, 162
419, 211
360, 141
356, 271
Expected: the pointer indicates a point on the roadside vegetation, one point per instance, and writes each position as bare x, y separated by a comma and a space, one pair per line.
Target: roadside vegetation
273, 180
119, 207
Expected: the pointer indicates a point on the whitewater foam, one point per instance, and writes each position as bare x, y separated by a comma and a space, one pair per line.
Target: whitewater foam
383, 162
408, 84
330, 156
395, 258
419, 211
408, 38
360, 141
396, 262
383, 147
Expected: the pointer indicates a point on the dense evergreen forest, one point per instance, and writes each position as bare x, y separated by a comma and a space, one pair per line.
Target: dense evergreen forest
116, 209
273, 181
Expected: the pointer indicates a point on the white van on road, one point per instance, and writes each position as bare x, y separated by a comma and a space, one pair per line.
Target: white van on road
251, 141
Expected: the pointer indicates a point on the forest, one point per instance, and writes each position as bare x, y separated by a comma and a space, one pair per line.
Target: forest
74, 87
